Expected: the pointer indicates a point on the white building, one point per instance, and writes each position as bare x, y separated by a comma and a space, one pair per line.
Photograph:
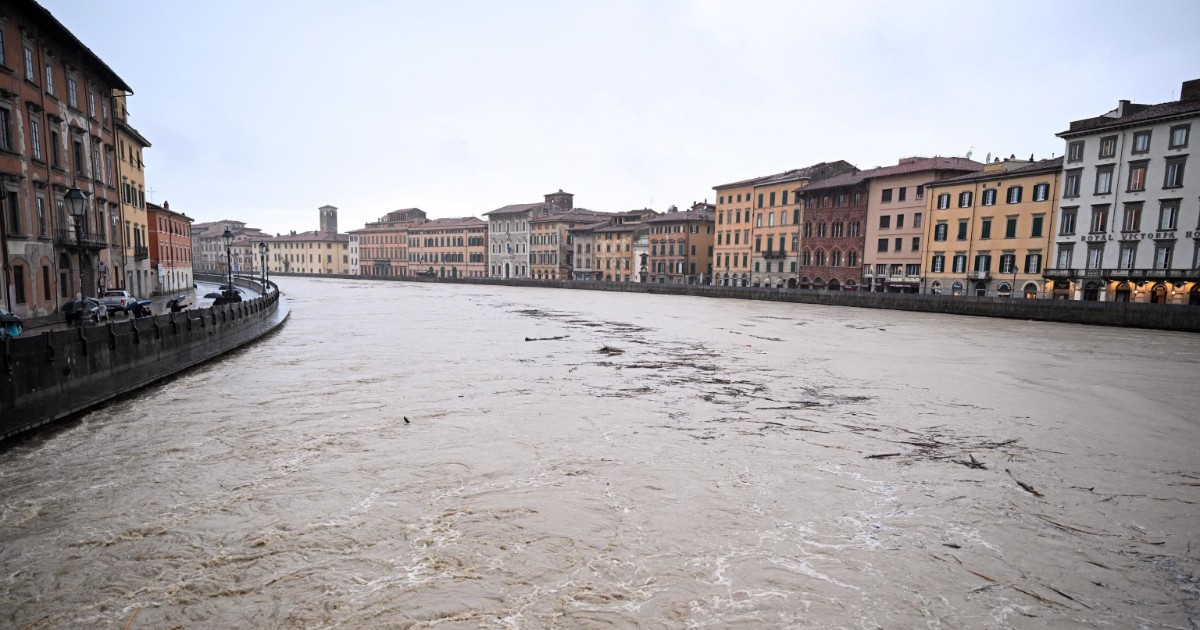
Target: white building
353, 254
508, 234
1129, 217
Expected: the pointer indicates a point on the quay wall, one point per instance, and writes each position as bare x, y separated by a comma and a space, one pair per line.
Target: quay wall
53, 375
1174, 317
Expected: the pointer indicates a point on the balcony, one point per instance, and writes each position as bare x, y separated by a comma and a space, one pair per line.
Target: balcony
772, 254
979, 275
1062, 274
67, 238
141, 252
1151, 274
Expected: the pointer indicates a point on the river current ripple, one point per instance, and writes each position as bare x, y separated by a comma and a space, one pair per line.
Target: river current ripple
666, 462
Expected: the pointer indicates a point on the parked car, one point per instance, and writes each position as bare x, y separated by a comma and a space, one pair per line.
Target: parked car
85, 311
117, 300
10, 325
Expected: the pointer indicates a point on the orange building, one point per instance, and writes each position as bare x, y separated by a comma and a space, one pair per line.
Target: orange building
613, 245
448, 248
551, 245
383, 244
681, 246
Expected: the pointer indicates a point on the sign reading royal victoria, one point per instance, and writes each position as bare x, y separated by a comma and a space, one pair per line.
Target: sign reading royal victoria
1169, 235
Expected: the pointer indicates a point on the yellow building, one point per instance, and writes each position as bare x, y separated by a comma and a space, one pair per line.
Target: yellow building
551, 244
135, 272
989, 233
613, 245
321, 252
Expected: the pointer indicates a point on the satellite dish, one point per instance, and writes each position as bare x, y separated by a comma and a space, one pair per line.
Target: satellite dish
987, 159
968, 155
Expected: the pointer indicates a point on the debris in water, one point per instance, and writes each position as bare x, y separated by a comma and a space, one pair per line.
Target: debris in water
546, 338
1024, 486
609, 350
405, 419
974, 463
882, 455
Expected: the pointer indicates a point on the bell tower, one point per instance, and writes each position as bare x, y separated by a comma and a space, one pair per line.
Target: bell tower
328, 219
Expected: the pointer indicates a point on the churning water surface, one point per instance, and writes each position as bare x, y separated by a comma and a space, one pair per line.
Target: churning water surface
418, 455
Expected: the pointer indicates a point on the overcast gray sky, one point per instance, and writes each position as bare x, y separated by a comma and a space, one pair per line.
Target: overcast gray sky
265, 110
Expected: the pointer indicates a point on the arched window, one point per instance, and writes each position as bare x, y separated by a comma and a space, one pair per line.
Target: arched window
835, 259
808, 229
807, 257
851, 259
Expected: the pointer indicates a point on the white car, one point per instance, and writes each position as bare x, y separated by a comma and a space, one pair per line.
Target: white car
117, 300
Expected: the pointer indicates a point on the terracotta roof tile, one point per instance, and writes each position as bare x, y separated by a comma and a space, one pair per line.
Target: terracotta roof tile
925, 164
846, 179
1048, 166
1141, 114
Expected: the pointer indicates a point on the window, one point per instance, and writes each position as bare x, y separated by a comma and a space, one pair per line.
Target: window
1033, 263
72, 93
49, 79
964, 199
1162, 258
883, 243
772, 200
960, 263
1174, 175
1064, 256
1179, 136
3, 47
985, 229
1010, 227
92, 104
760, 198
1008, 263
939, 232
35, 134
1099, 218
962, 229
18, 277
989, 197
1041, 192
939, 263
885, 221
1168, 215
29, 74
1104, 177
41, 217
1066, 224
12, 204
901, 196
900, 219
921, 192
1071, 184
1075, 151
887, 195
943, 201
46, 283
1137, 176
1036, 231
1095, 255
784, 201
916, 243
1132, 221
6, 141
1014, 194
1126, 257
899, 244
1141, 142
1108, 147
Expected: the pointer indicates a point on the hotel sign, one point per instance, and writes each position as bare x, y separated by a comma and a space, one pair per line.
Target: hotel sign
1136, 236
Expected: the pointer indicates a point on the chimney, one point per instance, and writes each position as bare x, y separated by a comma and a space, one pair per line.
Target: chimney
1190, 90
166, 205
1122, 106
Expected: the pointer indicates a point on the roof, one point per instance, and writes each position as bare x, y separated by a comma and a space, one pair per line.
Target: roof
925, 164
1041, 166
56, 29
685, 215
127, 128
622, 227
1139, 114
313, 236
573, 215
514, 208
837, 181
451, 222
795, 174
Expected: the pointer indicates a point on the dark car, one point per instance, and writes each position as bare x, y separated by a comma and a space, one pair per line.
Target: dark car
10, 325
426, 274
84, 311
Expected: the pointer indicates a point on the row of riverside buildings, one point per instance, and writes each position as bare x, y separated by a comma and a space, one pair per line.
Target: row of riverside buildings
1117, 217
65, 129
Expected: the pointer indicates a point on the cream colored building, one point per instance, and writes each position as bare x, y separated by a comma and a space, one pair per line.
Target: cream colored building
137, 274
989, 233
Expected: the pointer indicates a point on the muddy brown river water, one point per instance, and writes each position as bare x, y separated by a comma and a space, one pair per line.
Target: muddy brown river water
668, 462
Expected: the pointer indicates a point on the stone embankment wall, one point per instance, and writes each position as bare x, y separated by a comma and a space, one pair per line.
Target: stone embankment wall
58, 373
1135, 315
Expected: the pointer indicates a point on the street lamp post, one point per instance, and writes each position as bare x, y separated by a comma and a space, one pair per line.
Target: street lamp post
76, 202
227, 238
262, 250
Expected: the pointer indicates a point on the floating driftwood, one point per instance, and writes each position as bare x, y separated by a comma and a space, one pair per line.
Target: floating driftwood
546, 338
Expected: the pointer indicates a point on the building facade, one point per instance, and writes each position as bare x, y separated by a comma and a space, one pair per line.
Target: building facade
763, 208
449, 248
383, 244
831, 241
988, 233
56, 132
583, 264
170, 242
509, 234
680, 246
551, 244
896, 212
1129, 221
135, 222
209, 255
612, 252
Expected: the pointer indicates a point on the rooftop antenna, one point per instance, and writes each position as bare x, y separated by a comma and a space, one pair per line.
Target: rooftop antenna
988, 159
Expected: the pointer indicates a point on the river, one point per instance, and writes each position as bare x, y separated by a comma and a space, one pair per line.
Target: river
419, 455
